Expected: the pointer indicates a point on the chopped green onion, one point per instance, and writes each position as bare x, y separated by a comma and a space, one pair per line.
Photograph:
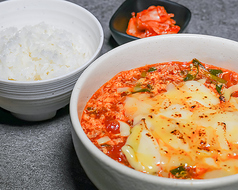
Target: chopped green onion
141, 90
179, 172
92, 110
212, 73
215, 71
138, 88
197, 63
151, 69
150, 86
217, 79
218, 88
189, 77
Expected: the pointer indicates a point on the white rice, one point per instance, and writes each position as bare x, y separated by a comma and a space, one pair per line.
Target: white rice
40, 52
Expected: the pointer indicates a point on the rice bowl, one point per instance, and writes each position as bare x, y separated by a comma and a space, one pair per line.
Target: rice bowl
39, 100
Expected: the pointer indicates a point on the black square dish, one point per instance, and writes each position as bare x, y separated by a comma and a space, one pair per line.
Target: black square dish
119, 21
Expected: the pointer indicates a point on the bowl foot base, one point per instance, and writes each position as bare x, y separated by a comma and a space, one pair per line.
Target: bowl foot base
38, 117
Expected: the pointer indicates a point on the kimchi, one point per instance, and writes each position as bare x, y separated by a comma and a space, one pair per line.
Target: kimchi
152, 22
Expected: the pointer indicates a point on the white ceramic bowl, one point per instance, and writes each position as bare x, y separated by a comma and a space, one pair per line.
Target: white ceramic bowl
106, 173
39, 100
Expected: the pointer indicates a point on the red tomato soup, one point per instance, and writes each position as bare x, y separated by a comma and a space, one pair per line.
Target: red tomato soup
175, 120
152, 22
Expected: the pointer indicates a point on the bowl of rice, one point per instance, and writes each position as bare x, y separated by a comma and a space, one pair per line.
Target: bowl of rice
45, 45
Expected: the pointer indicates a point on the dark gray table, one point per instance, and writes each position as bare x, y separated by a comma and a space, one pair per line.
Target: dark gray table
41, 155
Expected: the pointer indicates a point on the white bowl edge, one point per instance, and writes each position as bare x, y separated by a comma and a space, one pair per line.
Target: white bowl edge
207, 58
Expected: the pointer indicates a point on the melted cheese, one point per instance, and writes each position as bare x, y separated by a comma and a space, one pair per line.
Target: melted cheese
142, 150
186, 125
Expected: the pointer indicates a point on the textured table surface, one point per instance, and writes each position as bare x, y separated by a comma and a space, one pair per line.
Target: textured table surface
41, 155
